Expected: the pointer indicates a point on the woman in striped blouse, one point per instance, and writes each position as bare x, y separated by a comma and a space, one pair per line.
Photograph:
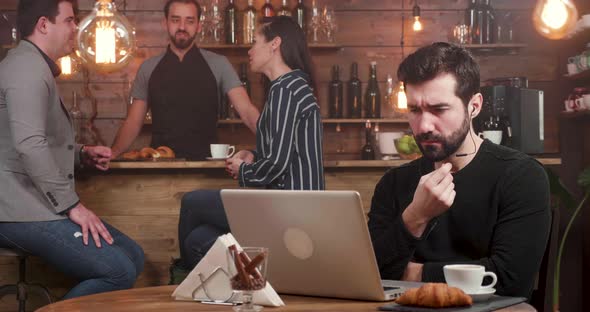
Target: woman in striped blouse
288, 151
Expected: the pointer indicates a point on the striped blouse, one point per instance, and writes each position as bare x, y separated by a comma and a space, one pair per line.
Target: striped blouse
288, 139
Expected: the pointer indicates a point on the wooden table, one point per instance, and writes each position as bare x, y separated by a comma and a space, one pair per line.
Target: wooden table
158, 299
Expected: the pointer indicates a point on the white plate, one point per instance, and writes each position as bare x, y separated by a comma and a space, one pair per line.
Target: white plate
212, 158
483, 294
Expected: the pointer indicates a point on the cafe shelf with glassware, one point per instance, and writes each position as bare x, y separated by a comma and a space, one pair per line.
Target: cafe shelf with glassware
494, 46
325, 121
221, 46
583, 75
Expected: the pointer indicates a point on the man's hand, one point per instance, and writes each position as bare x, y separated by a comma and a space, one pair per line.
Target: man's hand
88, 221
413, 272
433, 196
97, 157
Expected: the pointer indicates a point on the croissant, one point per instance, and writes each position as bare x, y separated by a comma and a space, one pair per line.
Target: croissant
131, 155
166, 152
149, 153
435, 295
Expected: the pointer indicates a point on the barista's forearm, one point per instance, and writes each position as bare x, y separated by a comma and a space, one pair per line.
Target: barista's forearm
125, 136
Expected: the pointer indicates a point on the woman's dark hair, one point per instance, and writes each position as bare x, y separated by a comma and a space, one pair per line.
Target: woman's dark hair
30, 11
193, 2
442, 57
293, 44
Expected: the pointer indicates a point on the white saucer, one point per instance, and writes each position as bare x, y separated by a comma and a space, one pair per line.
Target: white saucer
213, 158
483, 294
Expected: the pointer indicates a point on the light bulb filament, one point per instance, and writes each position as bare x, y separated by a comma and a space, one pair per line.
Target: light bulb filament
66, 65
402, 100
417, 24
105, 43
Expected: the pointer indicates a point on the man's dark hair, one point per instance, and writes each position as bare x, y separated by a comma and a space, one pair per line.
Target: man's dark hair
30, 11
193, 2
440, 57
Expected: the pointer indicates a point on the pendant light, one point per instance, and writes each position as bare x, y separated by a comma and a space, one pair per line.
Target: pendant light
416, 13
402, 100
106, 39
554, 18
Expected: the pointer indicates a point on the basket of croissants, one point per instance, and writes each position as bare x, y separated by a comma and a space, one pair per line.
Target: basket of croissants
148, 153
435, 295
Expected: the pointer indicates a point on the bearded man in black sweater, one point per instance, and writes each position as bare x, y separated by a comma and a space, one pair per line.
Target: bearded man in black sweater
467, 200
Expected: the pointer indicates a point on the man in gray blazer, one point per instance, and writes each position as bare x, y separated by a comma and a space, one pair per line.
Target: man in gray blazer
40, 211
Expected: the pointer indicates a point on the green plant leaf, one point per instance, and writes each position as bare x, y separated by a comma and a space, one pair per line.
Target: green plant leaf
559, 190
584, 179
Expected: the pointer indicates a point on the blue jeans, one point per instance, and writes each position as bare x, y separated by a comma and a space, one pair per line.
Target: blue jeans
112, 267
202, 220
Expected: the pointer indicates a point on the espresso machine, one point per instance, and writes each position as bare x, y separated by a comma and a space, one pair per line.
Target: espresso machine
518, 112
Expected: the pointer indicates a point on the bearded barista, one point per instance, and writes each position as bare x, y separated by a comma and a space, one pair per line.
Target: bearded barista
467, 200
183, 88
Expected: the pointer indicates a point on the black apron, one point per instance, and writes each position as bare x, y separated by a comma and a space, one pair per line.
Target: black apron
183, 98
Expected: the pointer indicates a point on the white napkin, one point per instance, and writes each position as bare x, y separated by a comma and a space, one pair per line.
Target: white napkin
215, 271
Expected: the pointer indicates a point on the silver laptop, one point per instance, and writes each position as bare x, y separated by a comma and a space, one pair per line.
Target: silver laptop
319, 243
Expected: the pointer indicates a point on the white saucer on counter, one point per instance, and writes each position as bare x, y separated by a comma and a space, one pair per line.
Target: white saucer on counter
213, 158
483, 294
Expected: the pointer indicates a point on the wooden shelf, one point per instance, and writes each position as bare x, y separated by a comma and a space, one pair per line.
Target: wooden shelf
495, 47
584, 75
212, 46
584, 114
364, 120
333, 121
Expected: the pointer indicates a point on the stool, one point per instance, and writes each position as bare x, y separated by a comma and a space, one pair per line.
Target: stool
21, 288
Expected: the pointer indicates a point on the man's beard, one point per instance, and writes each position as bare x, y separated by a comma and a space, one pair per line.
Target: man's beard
182, 43
448, 146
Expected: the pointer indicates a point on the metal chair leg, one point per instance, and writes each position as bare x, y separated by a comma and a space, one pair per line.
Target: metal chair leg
41, 290
7, 290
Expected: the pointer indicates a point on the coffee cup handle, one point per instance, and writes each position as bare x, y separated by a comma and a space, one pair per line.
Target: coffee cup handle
231, 151
494, 280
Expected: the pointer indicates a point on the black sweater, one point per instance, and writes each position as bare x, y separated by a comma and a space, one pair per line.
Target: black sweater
500, 219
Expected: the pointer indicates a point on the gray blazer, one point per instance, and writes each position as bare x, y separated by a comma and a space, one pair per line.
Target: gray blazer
37, 148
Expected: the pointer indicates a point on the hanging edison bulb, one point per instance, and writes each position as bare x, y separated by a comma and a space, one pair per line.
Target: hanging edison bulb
416, 13
554, 18
402, 100
106, 39
69, 64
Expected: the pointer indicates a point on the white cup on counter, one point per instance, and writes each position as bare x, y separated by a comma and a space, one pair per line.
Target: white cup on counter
222, 150
468, 277
493, 135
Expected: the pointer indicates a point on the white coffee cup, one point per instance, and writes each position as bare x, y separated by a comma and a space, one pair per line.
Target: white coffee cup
493, 135
572, 68
222, 150
587, 100
468, 277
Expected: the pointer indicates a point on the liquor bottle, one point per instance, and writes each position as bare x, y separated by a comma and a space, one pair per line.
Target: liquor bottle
249, 23
372, 95
354, 92
231, 23
300, 15
389, 97
368, 151
471, 19
488, 22
284, 11
77, 117
267, 9
336, 93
